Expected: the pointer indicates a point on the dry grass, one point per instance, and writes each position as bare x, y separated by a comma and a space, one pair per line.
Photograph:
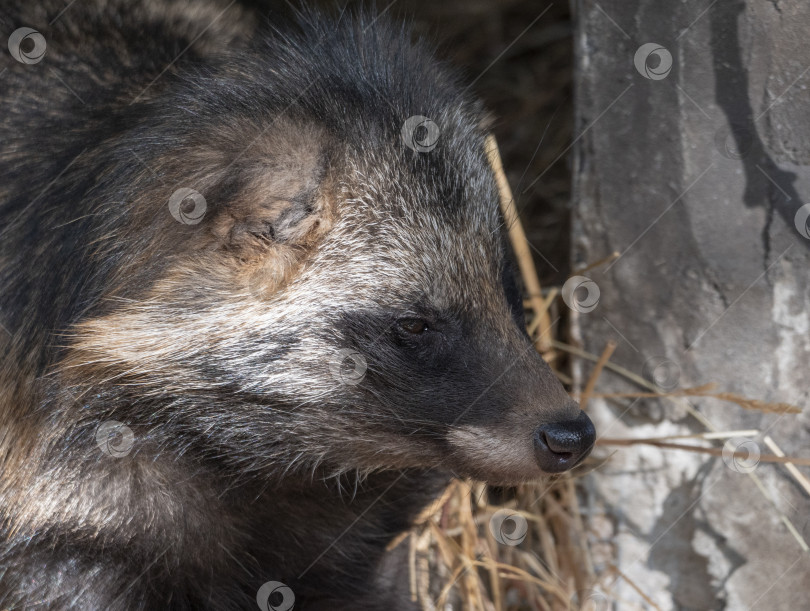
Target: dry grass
456, 560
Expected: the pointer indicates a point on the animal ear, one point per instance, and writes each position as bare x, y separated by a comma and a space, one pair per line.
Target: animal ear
279, 200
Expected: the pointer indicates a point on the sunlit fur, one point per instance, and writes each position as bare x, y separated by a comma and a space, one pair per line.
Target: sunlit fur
215, 342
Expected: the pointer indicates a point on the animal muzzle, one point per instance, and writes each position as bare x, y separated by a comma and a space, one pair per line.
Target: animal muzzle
558, 446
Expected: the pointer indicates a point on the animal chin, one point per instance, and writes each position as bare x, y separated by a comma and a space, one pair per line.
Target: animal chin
485, 454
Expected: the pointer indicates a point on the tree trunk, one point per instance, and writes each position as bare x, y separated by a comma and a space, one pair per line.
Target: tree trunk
692, 161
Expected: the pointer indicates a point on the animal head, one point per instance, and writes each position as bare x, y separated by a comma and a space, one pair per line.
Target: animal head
305, 276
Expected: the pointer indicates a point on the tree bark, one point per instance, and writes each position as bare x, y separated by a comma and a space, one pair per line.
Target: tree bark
697, 174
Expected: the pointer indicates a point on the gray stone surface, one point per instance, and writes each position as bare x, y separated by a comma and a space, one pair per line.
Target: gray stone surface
696, 178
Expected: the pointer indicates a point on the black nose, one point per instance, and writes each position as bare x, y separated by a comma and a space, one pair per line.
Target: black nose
561, 445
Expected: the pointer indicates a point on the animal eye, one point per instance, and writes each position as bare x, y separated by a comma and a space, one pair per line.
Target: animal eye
413, 325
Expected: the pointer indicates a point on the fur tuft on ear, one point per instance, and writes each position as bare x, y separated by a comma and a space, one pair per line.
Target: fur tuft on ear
280, 208
253, 204
281, 198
